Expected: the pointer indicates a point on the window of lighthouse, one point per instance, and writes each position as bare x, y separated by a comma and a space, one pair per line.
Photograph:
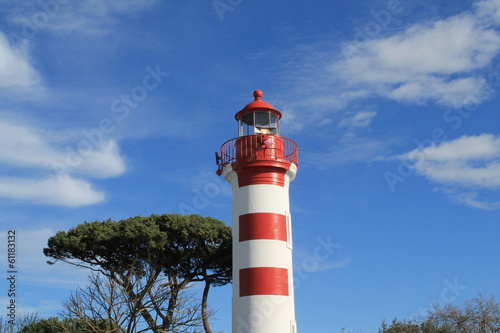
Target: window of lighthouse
289, 243
274, 123
264, 123
261, 119
247, 124
258, 122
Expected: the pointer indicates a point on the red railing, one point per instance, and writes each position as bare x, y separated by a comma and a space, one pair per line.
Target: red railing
258, 147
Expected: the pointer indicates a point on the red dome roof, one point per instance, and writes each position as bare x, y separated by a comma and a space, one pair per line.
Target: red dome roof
257, 105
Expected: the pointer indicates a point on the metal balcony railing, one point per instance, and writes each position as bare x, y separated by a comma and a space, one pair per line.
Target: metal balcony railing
258, 147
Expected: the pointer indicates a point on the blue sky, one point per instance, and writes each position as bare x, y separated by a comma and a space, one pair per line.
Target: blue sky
111, 109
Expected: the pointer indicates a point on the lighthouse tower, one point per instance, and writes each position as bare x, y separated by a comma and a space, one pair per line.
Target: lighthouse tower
260, 164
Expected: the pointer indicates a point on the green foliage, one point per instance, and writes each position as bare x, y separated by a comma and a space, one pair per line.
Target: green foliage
183, 245
51, 325
400, 327
55, 325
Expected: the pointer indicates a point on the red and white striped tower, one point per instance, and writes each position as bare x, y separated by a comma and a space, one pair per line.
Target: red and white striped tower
260, 164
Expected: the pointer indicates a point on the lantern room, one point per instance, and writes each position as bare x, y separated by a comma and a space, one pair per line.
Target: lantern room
258, 138
258, 117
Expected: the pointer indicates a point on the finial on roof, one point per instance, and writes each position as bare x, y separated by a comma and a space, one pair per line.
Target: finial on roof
257, 94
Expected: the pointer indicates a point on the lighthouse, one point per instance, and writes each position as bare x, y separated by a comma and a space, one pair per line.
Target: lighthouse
260, 164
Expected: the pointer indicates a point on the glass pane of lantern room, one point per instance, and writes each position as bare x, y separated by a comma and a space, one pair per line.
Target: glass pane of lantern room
247, 124
274, 123
262, 119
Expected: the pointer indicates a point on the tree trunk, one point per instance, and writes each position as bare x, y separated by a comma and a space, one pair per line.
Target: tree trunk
172, 305
137, 302
204, 303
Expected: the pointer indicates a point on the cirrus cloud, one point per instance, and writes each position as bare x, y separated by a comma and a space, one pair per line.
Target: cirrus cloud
15, 69
438, 61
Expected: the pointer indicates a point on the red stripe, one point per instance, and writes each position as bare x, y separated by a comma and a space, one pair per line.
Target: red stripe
268, 175
262, 226
263, 281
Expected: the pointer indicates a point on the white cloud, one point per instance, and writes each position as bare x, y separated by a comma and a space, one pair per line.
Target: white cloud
479, 147
23, 146
69, 17
29, 148
469, 162
50, 167
127, 6
62, 191
453, 93
360, 119
437, 61
470, 199
15, 69
102, 161
427, 62
26, 146
489, 9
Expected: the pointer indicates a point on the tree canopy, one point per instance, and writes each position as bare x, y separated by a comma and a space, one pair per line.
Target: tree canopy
478, 315
139, 252
55, 325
